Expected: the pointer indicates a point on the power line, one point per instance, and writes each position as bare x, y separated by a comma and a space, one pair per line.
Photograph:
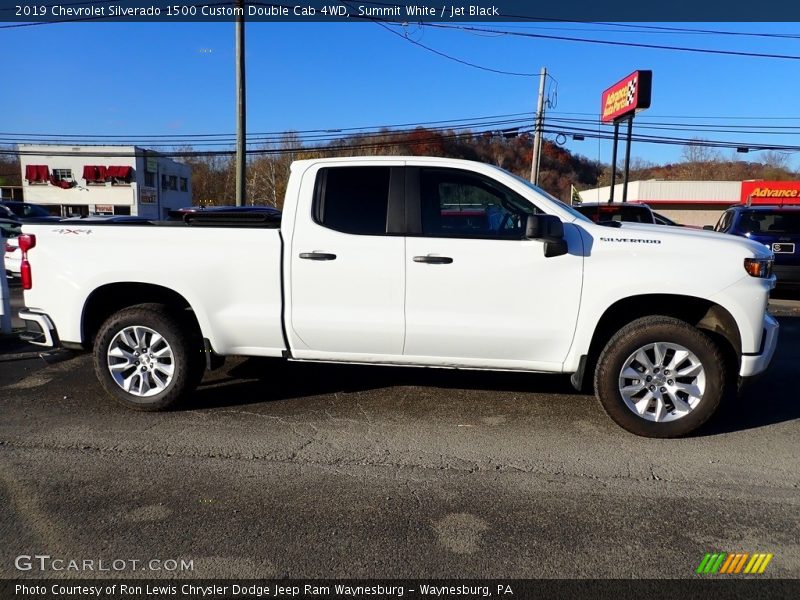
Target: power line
255, 141
364, 141
657, 116
663, 29
644, 29
455, 123
442, 124
718, 128
346, 147
615, 43
450, 57
477, 125
639, 28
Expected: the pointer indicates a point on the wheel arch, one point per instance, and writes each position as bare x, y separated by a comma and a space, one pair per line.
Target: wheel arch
713, 319
113, 297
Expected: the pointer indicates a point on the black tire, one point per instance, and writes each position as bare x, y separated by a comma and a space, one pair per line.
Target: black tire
651, 330
187, 355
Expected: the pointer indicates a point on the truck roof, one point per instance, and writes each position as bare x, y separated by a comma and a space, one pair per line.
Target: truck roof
395, 159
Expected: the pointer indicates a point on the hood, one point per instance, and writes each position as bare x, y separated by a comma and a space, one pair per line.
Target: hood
686, 235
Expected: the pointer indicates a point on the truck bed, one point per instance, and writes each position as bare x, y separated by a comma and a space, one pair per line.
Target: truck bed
231, 276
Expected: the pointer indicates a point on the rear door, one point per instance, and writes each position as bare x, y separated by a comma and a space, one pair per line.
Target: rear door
348, 266
478, 292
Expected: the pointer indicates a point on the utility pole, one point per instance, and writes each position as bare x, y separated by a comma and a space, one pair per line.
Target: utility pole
5, 295
536, 156
241, 109
627, 159
614, 162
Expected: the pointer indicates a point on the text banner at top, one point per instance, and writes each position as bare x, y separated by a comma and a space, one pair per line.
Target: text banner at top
401, 12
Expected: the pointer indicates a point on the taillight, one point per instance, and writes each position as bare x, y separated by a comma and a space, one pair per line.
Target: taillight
26, 242
25, 274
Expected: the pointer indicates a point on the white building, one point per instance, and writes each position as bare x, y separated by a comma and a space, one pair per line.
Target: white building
699, 202
109, 180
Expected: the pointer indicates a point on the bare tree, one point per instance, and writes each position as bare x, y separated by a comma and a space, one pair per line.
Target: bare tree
699, 153
700, 162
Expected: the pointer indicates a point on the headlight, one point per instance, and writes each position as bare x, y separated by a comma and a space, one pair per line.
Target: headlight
758, 267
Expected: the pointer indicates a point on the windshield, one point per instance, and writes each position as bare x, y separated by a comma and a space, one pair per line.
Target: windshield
759, 222
539, 190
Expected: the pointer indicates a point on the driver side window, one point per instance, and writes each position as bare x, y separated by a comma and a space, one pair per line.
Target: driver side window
461, 204
724, 222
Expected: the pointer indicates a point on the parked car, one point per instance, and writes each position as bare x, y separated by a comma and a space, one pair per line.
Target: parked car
777, 227
10, 230
631, 212
665, 220
26, 212
361, 270
268, 212
107, 219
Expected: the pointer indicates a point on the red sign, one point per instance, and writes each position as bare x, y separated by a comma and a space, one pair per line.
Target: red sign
627, 96
771, 192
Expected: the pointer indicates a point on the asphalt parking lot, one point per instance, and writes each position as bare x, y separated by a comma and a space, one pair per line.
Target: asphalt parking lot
292, 470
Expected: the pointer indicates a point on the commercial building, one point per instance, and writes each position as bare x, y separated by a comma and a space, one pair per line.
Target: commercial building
698, 202
106, 180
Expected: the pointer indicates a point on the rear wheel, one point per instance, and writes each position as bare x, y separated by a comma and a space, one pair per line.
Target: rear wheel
147, 357
660, 377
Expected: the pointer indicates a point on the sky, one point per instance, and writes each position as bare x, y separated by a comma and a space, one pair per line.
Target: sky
142, 79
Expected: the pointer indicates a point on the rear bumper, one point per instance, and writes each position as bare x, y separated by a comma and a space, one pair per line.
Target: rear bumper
754, 364
39, 329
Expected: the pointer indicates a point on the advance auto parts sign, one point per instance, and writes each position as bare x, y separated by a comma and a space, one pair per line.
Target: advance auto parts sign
627, 96
771, 192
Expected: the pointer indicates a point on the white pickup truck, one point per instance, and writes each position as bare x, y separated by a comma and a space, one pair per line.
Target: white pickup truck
411, 261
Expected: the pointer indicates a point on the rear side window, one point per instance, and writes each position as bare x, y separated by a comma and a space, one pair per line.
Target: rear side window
353, 199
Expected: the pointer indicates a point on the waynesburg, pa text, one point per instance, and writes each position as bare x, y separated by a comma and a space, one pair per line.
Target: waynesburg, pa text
98, 590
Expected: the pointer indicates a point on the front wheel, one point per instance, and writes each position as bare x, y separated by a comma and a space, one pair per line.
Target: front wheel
660, 377
147, 358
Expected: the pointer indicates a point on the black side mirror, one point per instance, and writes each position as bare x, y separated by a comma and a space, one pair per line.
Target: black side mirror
550, 230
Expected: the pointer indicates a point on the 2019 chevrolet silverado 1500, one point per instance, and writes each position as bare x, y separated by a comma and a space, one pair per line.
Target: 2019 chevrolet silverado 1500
411, 261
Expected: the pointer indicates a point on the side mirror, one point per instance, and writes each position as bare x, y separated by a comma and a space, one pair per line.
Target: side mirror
550, 230
708, 227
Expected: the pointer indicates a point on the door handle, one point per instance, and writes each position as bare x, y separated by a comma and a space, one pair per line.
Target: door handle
433, 260
317, 256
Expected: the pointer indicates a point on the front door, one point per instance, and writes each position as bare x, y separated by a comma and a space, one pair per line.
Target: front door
477, 292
